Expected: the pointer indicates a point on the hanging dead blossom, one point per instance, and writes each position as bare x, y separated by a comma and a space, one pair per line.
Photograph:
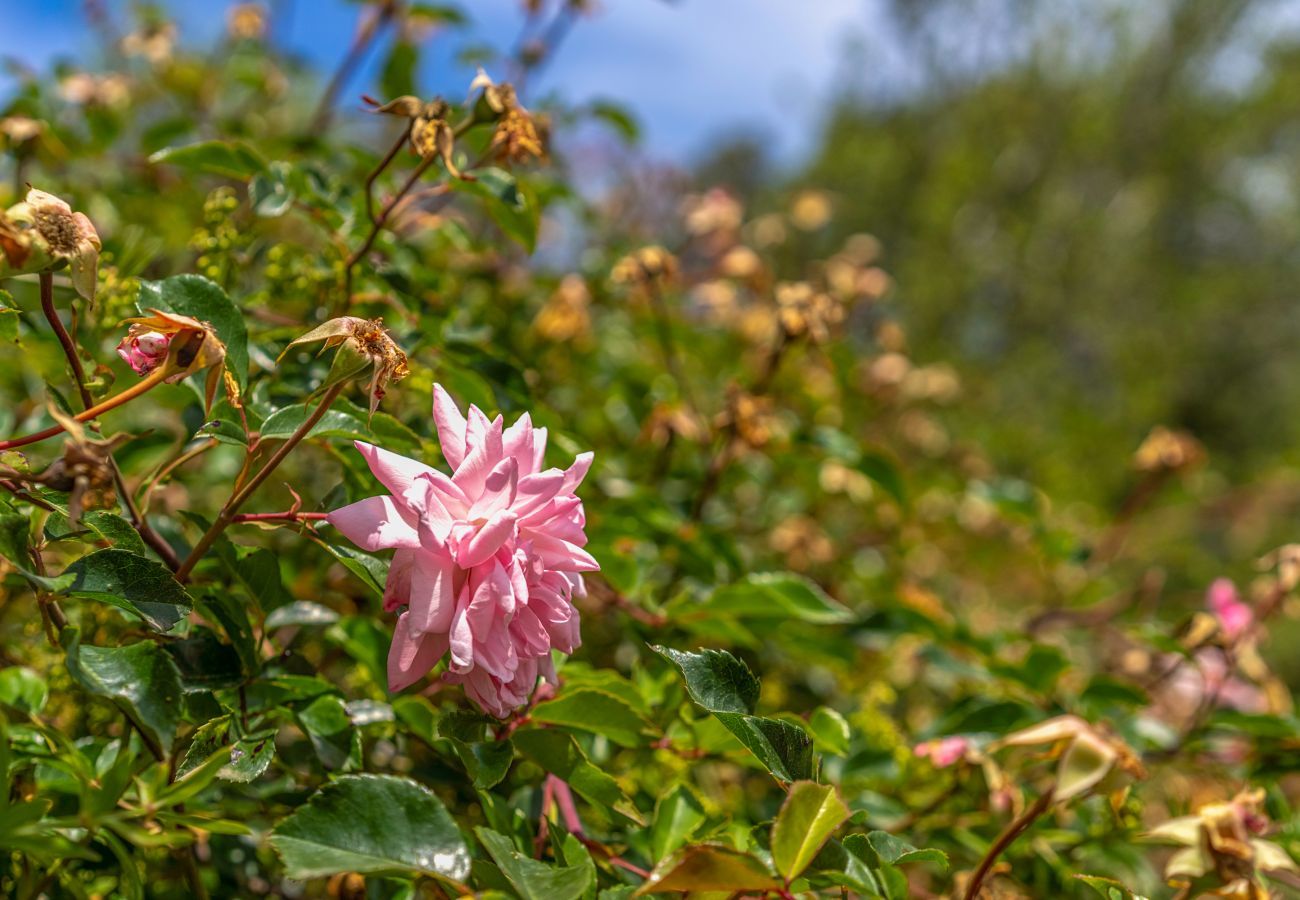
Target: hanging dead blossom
190, 346
368, 345
1089, 759
430, 133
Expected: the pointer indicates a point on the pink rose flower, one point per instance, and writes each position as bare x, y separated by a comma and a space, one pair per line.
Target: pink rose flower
1235, 617
144, 350
943, 752
486, 561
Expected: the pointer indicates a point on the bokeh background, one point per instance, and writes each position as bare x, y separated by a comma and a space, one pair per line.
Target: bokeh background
1089, 207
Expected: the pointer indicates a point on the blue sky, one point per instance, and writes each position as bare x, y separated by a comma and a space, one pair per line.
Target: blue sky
690, 70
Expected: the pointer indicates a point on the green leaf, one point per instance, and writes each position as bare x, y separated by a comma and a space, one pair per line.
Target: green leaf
141, 678
205, 663
15, 541
370, 570
897, 852
830, 731
372, 824
270, 192
243, 760
133, 583
23, 689
301, 612
233, 159
884, 472
595, 711
677, 817
327, 723
724, 685
709, 867
808, 818
486, 760
510, 205
202, 299
715, 679
775, 595
559, 754
532, 879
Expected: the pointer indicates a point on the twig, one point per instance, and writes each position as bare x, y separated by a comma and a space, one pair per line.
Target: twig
1005, 839
154, 379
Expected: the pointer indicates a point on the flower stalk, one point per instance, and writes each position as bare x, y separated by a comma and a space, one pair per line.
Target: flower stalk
143, 387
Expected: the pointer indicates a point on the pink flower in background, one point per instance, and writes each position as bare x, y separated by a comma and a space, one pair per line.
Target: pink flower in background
486, 561
144, 350
943, 752
1234, 616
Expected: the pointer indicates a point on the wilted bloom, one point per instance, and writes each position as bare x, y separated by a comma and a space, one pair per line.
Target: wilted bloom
803, 310
42, 233
810, 210
565, 315
85, 89
1168, 450
714, 210
1234, 616
517, 137
372, 346
191, 346
487, 560
945, 751
144, 350
246, 21
1089, 758
430, 133
651, 265
20, 129
155, 41
1222, 841
85, 471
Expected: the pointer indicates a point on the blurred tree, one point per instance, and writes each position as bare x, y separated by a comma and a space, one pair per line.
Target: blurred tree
1094, 208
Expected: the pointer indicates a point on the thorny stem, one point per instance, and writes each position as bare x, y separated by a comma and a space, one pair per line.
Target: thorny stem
372, 23
228, 512
154, 379
1005, 839
138, 521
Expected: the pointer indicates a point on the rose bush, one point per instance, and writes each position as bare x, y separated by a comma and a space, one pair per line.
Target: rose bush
274, 624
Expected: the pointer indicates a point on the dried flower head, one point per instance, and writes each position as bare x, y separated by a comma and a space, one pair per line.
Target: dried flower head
191, 346
246, 21
42, 233
84, 471
369, 345
648, 266
155, 41
1089, 757
85, 89
716, 210
20, 129
144, 350
670, 420
1168, 450
565, 316
803, 310
430, 132
1222, 842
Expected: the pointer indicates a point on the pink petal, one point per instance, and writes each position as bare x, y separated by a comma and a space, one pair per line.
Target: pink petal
432, 599
397, 589
498, 490
376, 523
451, 426
576, 472
535, 490
394, 471
487, 540
560, 554
517, 441
411, 656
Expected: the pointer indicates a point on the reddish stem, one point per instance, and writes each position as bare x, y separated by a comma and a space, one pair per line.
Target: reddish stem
288, 516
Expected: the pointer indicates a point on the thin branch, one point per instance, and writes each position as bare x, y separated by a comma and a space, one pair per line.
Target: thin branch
1006, 839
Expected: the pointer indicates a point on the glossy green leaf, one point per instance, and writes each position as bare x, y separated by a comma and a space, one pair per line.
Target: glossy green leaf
372, 824
141, 678
810, 815
678, 815
591, 710
559, 754
775, 595
131, 582
534, 880
830, 731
